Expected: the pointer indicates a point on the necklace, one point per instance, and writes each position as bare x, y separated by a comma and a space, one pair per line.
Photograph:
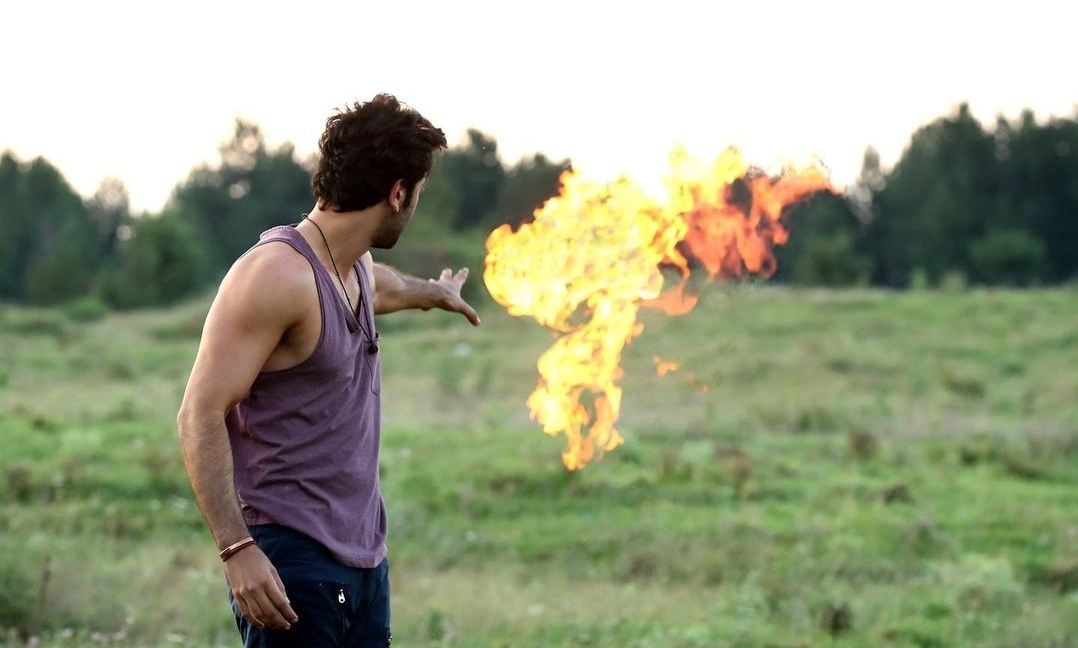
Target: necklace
372, 344
333, 262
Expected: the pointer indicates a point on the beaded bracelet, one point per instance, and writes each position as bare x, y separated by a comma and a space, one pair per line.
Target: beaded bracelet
235, 548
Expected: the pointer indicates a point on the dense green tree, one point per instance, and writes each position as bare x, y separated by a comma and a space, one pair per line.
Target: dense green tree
1041, 194
1010, 257
528, 184
476, 175
109, 209
940, 195
14, 224
826, 245
158, 261
47, 254
251, 189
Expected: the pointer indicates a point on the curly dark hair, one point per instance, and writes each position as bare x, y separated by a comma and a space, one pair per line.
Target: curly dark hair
367, 147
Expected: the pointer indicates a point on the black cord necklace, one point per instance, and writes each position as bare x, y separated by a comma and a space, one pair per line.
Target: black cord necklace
372, 345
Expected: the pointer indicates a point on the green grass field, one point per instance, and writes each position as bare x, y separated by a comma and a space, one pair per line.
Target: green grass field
864, 469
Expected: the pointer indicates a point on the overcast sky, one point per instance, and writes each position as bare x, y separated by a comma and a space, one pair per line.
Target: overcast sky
145, 91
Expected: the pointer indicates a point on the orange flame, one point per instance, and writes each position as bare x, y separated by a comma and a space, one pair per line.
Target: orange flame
664, 367
593, 255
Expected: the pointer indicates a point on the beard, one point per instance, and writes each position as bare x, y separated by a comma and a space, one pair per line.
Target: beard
386, 238
392, 226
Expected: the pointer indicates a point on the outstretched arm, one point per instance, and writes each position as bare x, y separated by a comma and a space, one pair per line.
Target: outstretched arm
395, 291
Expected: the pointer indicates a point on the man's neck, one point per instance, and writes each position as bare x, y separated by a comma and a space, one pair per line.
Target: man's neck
339, 238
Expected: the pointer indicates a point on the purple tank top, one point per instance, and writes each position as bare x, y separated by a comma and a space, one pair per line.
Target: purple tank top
305, 440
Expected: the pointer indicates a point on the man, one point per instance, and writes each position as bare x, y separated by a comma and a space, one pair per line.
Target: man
279, 424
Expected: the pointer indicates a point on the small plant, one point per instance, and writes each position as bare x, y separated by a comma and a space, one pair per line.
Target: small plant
1022, 467
19, 480
438, 628
964, 386
897, 493
862, 445
1061, 576
836, 618
737, 467
17, 584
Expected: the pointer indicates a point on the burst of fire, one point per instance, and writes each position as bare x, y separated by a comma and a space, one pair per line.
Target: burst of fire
594, 255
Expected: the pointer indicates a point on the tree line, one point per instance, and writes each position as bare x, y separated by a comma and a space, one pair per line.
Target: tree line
965, 204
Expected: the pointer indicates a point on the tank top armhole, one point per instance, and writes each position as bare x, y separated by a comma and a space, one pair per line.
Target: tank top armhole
368, 288
321, 303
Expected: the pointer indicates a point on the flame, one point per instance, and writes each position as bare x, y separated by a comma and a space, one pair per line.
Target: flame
594, 255
663, 367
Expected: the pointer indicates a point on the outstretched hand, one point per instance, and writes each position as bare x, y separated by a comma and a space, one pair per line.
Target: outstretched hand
449, 284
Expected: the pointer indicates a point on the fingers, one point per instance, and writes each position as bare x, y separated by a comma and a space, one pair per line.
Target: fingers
458, 277
453, 281
259, 592
470, 313
252, 609
267, 609
284, 606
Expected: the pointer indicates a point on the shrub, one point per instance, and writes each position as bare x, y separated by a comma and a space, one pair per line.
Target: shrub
1010, 257
86, 309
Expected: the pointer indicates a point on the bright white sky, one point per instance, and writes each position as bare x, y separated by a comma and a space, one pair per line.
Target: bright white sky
145, 91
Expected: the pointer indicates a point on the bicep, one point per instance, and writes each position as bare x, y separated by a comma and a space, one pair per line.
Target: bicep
245, 324
385, 285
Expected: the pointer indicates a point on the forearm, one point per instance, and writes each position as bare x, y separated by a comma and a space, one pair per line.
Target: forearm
208, 459
397, 291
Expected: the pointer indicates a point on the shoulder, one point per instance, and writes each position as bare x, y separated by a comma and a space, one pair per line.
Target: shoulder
272, 279
277, 258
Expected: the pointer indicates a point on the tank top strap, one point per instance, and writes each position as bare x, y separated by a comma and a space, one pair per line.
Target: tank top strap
327, 289
289, 234
366, 303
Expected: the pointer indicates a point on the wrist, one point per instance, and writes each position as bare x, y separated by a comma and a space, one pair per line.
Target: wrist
426, 293
235, 548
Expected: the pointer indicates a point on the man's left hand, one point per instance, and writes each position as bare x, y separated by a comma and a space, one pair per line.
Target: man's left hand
448, 298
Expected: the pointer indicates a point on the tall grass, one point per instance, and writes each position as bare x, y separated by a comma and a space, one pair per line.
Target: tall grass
825, 468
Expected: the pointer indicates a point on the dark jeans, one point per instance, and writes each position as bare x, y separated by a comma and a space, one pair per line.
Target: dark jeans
338, 606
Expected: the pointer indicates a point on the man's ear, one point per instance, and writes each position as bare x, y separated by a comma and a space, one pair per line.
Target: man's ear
397, 196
